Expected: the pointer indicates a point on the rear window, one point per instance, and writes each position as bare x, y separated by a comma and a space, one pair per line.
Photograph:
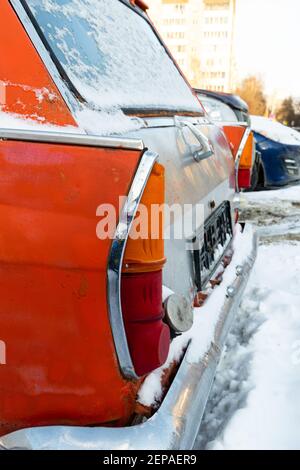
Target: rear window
217, 111
111, 55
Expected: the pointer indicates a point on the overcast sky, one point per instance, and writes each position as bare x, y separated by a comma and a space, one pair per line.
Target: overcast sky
268, 43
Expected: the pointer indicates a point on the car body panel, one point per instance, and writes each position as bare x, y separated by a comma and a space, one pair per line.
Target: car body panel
29, 89
62, 365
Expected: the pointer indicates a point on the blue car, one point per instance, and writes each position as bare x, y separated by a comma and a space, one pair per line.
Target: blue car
279, 147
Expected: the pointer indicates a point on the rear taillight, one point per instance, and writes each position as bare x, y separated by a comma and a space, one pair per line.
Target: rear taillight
242, 144
246, 163
141, 283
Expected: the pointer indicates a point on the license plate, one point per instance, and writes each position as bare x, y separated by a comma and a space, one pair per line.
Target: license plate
214, 243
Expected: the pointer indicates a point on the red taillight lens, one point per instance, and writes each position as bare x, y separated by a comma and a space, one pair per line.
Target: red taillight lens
244, 178
148, 337
142, 297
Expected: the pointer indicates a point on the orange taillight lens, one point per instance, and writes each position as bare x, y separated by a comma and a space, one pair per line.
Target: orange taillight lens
246, 160
146, 253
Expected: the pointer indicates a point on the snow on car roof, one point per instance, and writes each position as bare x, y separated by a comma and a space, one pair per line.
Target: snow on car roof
275, 131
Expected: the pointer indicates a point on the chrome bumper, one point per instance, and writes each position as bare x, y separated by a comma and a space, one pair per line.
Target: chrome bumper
176, 424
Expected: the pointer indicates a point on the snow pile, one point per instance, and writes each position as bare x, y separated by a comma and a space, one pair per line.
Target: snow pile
232, 385
15, 121
275, 131
205, 321
111, 55
275, 213
255, 400
106, 122
291, 193
271, 419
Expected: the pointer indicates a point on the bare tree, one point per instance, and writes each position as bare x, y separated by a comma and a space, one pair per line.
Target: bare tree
286, 112
251, 90
289, 112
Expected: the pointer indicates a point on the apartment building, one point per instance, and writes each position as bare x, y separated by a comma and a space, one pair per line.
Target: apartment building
200, 34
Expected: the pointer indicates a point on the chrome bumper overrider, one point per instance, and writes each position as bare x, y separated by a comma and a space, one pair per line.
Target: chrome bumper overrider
176, 424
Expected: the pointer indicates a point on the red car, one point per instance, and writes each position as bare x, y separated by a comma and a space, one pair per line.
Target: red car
97, 298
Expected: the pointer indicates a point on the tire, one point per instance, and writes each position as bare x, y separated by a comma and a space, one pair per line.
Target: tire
258, 176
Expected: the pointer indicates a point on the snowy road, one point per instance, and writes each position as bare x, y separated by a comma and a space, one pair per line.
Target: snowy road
255, 401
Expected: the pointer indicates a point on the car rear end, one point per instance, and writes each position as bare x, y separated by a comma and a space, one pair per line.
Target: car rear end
112, 241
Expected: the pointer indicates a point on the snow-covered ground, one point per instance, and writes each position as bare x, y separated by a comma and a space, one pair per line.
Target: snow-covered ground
255, 400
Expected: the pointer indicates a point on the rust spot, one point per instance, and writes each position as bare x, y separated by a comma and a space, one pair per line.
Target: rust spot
212, 204
142, 410
215, 282
200, 299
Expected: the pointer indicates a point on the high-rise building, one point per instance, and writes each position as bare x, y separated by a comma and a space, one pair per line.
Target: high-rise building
200, 34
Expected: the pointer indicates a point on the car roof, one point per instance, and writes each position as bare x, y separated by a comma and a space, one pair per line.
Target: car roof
231, 100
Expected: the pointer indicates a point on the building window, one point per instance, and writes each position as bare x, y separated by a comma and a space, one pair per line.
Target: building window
179, 7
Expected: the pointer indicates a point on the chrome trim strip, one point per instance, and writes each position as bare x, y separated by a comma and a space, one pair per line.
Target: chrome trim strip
170, 121
232, 123
176, 423
116, 260
71, 138
44, 54
239, 155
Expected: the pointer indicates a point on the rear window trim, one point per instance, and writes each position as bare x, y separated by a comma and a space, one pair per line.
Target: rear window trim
143, 112
53, 56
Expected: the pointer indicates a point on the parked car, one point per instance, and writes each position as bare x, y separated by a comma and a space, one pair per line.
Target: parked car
225, 108
279, 146
101, 111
